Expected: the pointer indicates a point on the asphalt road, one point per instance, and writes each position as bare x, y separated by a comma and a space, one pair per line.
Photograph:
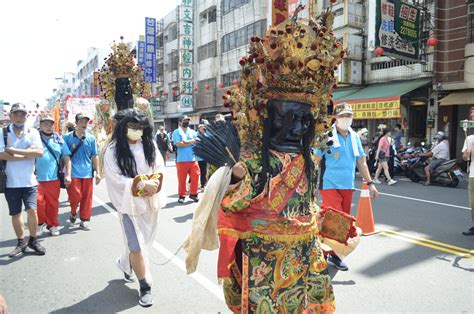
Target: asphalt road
418, 262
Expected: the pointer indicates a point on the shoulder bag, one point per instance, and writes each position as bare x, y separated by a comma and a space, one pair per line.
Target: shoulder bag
60, 173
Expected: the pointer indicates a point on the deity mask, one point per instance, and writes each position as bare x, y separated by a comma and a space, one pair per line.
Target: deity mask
289, 122
123, 94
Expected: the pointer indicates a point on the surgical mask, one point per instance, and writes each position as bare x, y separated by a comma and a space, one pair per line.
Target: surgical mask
134, 135
344, 123
18, 126
185, 124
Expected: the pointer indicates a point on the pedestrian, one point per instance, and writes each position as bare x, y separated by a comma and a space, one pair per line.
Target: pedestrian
48, 172
19, 146
382, 156
186, 164
163, 142
132, 153
468, 155
397, 136
363, 134
202, 164
84, 162
3, 305
337, 164
439, 154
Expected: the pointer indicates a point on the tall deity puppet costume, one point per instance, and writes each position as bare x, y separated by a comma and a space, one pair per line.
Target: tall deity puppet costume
122, 86
270, 256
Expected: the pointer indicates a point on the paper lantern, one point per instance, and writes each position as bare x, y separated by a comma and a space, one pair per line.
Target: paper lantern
379, 51
432, 41
221, 85
195, 89
235, 82
206, 86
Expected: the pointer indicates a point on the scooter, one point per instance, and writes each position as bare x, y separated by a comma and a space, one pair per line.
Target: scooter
443, 174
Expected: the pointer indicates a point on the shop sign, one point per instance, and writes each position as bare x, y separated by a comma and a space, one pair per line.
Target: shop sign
377, 108
397, 28
185, 47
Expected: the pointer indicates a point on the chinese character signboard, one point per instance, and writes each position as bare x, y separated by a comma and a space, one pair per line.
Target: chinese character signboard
397, 28
185, 47
376, 108
150, 49
141, 53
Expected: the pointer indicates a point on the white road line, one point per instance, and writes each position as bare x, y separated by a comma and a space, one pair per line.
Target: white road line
201, 279
421, 200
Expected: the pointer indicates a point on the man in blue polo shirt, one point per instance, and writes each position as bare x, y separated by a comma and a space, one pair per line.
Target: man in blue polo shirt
84, 160
186, 164
337, 168
49, 187
23, 145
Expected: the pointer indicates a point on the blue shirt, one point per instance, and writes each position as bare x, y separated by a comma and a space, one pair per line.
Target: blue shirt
21, 173
46, 166
82, 160
185, 154
338, 168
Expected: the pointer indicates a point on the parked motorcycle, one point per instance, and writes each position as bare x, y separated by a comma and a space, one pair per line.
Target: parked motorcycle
444, 174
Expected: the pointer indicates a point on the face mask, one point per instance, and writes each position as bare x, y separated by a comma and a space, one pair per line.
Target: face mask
185, 124
344, 123
18, 126
134, 135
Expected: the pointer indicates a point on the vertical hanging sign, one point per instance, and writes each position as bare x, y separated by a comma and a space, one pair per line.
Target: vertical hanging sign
185, 47
150, 49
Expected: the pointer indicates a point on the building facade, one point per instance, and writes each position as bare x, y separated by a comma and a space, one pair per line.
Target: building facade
87, 75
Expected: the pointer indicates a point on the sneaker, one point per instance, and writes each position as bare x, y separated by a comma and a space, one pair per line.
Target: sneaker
195, 198
337, 262
72, 219
376, 181
392, 182
36, 246
19, 249
469, 232
145, 299
54, 231
40, 230
127, 277
85, 225
181, 200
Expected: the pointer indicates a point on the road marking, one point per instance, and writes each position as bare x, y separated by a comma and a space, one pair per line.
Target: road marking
201, 279
421, 200
456, 250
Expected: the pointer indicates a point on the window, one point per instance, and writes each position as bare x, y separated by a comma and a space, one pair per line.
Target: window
470, 17
174, 60
241, 36
206, 51
211, 82
228, 78
212, 15
172, 32
390, 64
230, 5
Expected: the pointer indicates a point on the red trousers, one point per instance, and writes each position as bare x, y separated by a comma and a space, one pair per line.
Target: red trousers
340, 200
48, 203
184, 169
80, 191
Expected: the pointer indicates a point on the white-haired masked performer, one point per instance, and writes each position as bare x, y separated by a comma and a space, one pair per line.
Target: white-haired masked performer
133, 169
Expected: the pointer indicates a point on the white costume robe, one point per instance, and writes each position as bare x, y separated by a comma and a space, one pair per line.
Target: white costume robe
143, 211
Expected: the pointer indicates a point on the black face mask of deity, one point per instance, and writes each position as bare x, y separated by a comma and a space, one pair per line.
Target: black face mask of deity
123, 94
289, 122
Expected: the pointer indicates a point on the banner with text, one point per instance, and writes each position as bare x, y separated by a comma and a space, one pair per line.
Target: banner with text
141, 53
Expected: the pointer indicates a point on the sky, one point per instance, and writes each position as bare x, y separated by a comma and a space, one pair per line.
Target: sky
40, 40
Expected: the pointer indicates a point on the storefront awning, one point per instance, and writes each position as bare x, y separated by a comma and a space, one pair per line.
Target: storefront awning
458, 98
341, 93
384, 90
